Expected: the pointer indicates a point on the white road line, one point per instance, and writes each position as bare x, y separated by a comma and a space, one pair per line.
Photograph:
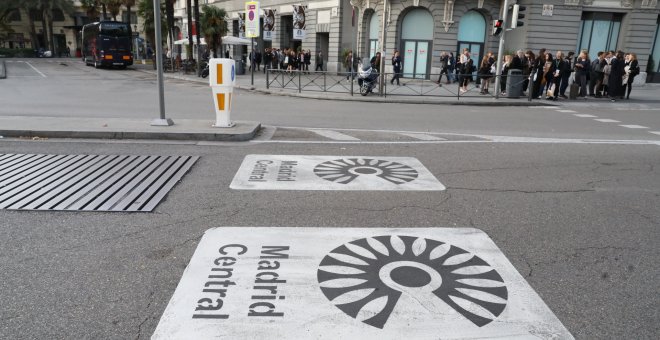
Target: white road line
542, 107
607, 120
655, 132
634, 126
422, 136
34, 68
584, 115
335, 135
570, 111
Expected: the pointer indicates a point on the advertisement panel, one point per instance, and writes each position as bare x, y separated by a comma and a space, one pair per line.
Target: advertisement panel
252, 19
269, 24
299, 24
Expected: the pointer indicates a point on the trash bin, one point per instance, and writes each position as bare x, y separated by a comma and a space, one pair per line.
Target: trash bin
514, 84
240, 67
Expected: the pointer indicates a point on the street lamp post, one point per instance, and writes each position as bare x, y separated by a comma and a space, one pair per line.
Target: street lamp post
162, 121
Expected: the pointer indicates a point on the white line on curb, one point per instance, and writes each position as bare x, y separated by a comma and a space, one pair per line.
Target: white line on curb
570, 111
335, 135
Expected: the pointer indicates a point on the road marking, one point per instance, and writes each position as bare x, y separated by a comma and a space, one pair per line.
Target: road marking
583, 115
655, 132
334, 135
290, 172
353, 283
569, 111
607, 120
634, 126
423, 136
34, 68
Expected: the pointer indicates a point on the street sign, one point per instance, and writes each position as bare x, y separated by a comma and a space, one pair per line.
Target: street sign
353, 283
252, 19
289, 172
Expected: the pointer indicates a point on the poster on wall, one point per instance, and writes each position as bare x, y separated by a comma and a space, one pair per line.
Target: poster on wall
299, 24
269, 24
252, 19
241, 25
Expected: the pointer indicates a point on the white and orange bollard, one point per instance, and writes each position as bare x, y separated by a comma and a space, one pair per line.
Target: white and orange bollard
222, 79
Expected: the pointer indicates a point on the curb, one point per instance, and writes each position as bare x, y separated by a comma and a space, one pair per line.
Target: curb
3, 70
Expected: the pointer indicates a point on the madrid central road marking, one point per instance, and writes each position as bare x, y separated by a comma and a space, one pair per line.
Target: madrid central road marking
291, 172
353, 283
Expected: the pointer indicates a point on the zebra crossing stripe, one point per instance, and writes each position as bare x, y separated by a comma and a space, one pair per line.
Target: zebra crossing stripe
422, 136
583, 115
334, 135
634, 126
655, 132
607, 120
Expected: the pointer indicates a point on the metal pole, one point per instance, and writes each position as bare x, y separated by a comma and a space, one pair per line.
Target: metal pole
162, 121
381, 81
199, 45
500, 50
252, 57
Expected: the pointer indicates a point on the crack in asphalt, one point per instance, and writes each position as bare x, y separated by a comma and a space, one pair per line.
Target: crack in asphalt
150, 298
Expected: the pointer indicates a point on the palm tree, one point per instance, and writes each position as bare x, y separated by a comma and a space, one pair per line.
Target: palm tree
146, 11
128, 4
30, 6
6, 10
114, 6
47, 7
214, 26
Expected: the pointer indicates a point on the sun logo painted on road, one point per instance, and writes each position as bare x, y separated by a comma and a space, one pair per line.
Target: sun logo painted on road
346, 170
372, 274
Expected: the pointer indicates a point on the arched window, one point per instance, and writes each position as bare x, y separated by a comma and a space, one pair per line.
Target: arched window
416, 40
374, 23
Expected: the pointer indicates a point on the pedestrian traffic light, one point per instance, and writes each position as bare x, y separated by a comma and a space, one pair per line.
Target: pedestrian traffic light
498, 25
517, 15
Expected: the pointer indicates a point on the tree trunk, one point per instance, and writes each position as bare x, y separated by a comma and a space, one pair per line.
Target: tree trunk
44, 28
128, 10
197, 28
33, 31
105, 12
51, 35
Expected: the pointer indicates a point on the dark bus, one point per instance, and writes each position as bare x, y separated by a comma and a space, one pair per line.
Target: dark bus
107, 43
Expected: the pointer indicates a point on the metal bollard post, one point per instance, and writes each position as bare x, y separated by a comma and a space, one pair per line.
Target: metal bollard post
324, 85
267, 80
299, 81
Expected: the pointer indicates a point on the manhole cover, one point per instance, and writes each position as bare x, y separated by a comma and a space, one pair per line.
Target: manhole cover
88, 182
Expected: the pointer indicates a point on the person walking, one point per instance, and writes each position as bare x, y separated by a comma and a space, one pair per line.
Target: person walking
319, 61
631, 70
396, 65
548, 76
451, 68
348, 63
466, 70
537, 78
561, 67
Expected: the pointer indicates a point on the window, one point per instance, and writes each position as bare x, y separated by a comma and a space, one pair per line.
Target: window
654, 60
15, 15
599, 32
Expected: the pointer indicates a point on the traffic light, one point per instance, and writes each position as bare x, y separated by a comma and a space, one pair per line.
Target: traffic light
517, 15
498, 25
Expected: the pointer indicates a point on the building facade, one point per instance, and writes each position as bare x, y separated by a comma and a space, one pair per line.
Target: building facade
422, 29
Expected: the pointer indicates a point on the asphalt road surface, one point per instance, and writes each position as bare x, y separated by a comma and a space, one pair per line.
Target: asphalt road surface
571, 201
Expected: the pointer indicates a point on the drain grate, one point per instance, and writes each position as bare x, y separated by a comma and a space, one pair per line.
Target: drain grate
88, 182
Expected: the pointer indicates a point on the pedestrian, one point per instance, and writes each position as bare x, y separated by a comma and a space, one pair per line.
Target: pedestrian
596, 75
465, 70
348, 63
606, 73
537, 78
566, 74
617, 69
451, 68
548, 76
632, 70
375, 62
396, 65
257, 59
506, 66
319, 61
527, 62
561, 66
485, 74
582, 66
444, 67
308, 60
268, 58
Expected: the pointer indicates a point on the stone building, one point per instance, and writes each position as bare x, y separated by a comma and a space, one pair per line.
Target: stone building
422, 29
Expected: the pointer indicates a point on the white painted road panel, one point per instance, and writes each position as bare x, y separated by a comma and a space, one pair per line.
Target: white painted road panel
607, 120
295, 172
634, 126
655, 132
584, 115
422, 136
353, 283
334, 135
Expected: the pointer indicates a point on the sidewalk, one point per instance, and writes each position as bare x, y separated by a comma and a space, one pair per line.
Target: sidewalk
445, 95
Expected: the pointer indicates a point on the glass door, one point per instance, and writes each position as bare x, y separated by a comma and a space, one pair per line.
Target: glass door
416, 59
409, 49
422, 59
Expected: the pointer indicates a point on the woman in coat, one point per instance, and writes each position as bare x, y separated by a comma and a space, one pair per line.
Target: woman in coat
582, 68
548, 75
631, 69
615, 82
537, 74
485, 75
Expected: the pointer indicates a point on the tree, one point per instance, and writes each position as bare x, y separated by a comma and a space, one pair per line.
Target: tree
47, 7
30, 7
6, 10
114, 6
190, 25
91, 8
214, 26
128, 4
146, 11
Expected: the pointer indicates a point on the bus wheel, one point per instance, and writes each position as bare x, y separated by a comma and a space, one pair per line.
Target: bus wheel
96, 64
